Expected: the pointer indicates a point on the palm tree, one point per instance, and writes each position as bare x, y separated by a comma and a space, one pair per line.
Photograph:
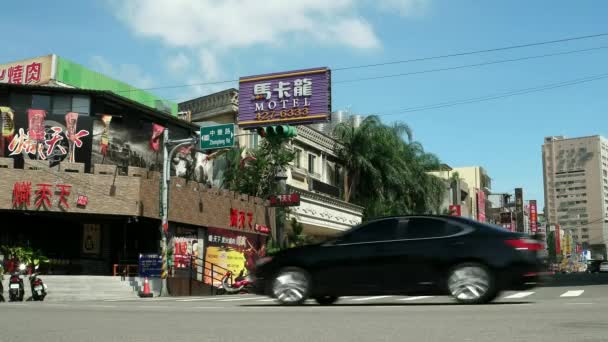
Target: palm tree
386, 171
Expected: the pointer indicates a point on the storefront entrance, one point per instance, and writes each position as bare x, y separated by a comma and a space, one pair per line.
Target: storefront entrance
79, 244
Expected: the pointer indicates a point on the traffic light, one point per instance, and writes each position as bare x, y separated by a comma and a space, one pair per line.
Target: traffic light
277, 132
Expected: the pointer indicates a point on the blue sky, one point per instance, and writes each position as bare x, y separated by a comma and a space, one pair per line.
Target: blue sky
152, 43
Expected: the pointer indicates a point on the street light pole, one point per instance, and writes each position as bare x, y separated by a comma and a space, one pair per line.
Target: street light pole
164, 198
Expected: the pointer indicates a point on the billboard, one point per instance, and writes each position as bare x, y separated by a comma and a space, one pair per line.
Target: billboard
519, 209
293, 97
533, 217
29, 71
231, 250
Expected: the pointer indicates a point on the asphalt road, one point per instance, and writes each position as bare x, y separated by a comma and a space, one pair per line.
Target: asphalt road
552, 314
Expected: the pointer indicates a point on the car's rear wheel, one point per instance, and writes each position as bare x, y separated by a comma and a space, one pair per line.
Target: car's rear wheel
326, 300
291, 286
472, 283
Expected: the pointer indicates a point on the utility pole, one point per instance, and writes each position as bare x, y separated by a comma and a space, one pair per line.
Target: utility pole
164, 199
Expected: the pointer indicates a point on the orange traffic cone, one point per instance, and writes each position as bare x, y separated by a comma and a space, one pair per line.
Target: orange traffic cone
146, 292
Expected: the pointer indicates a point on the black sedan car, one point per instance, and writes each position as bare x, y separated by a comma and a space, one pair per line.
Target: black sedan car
409, 255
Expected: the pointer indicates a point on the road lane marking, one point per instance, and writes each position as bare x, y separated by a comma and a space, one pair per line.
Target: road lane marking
416, 298
267, 300
573, 293
235, 299
198, 299
519, 295
371, 298
579, 303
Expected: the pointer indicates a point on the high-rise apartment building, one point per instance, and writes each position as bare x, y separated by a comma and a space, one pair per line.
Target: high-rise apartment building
575, 172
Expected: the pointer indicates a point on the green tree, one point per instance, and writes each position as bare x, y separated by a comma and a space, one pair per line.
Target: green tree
386, 171
297, 237
253, 171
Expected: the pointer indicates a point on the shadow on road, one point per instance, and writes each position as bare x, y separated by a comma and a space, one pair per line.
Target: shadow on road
386, 304
575, 279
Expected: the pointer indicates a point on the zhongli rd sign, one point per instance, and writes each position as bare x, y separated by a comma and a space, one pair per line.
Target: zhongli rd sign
291, 98
218, 136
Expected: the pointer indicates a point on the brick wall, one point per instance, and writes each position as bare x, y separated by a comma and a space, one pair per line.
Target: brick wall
136, 195
192, 203
95, 187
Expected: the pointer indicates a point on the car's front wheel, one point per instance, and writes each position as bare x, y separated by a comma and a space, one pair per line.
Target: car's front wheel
326, 300
472, 283
291, 286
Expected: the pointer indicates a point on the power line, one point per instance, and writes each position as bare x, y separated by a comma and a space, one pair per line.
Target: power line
467, 53
464, 66
493, 97
475, 52
469, 65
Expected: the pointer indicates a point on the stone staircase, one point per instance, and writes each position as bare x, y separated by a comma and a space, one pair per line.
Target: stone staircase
64, 288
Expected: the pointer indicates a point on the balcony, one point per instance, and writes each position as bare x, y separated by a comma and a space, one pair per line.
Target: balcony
328, 189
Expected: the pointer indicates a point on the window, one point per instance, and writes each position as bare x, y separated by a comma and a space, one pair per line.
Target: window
298, 158
381, 230
62, 105
338, 175
81, 104
421, 228
312, 160
254, 140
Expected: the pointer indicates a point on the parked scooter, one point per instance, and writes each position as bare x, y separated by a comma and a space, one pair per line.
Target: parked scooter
38, 287
241, 284
16, 290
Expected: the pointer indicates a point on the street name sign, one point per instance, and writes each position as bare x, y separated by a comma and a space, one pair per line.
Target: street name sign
216, 137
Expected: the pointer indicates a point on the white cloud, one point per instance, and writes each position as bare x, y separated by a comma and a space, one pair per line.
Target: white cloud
178, 63
210, 29
405, 8
244, 23
128, 73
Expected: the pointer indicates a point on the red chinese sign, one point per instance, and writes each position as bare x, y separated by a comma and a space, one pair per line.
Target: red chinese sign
533, 217
455, 210
22, 195
242, 220
290, 200
43, 195
33, 71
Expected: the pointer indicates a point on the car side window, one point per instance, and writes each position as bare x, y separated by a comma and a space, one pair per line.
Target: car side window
381, 230
424, 228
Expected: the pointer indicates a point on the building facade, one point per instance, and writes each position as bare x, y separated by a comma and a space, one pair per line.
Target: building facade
55, 71
79, 180
575, 172
457, 193
315, 173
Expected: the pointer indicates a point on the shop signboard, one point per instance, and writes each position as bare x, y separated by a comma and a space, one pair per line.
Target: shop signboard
519, 209
29, 71
40, 195
533, 217
150, 265
291, 98
285, 200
